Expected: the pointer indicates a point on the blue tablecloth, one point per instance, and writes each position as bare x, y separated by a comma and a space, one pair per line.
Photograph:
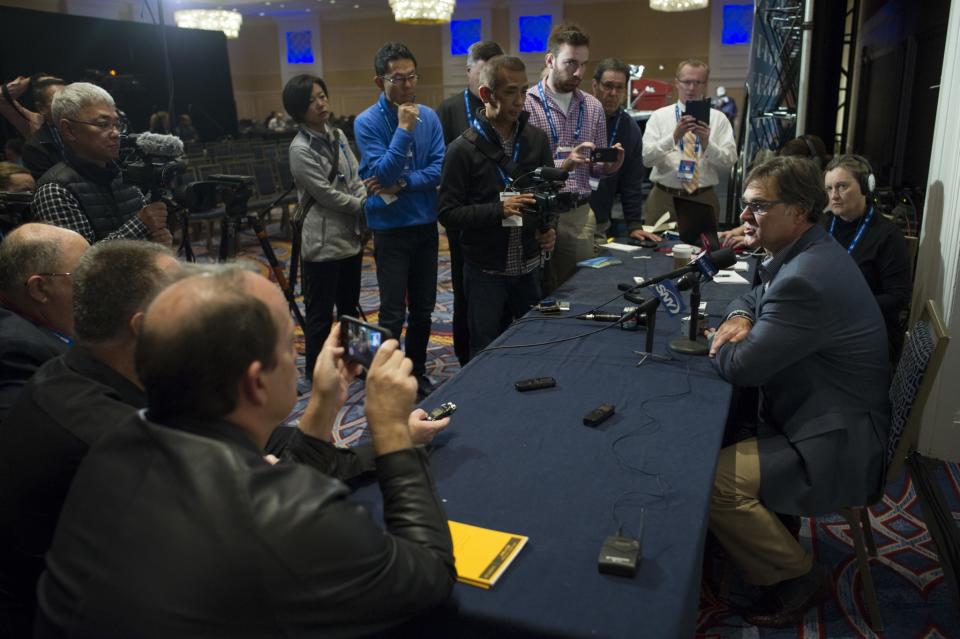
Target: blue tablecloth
525, 463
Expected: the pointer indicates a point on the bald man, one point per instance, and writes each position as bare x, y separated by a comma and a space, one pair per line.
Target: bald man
187, 530
36, 302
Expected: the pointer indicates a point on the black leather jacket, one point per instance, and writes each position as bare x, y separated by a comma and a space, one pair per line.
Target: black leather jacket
183, 530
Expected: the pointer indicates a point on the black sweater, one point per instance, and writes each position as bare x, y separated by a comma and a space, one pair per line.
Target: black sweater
884, 259
470, 189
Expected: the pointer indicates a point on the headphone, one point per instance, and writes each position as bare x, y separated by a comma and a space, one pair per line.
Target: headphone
868, 182
813, 152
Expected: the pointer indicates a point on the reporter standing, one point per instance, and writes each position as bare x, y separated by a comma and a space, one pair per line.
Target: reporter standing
325, 171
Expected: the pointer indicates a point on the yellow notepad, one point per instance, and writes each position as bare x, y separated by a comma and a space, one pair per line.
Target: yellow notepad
482, 555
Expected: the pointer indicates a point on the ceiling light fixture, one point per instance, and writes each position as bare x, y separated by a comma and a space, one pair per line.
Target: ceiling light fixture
210, 20
678, 5
422, 11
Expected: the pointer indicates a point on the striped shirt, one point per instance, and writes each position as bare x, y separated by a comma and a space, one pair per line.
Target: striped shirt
593, 129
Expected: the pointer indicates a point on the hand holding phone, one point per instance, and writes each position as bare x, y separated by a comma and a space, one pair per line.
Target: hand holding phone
361, 340
604, 154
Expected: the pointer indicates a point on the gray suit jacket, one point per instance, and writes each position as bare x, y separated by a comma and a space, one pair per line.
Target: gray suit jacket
818, 352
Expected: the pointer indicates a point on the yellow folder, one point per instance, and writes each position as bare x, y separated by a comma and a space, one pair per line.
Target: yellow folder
482, 555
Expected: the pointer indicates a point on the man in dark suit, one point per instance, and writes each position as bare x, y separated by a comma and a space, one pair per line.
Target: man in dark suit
175, 522
812, 338
36, 302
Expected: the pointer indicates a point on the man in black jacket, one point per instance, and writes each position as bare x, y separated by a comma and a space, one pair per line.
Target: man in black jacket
187, 530
456, 114
501, 244
85, 191
36, 302
611, 80
45, 147
68, 404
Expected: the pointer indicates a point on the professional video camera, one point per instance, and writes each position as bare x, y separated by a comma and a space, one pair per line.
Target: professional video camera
14, 210
150, 162
232, 191
545, 184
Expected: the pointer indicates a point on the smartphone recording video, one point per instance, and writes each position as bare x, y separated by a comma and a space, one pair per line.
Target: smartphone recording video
361, 340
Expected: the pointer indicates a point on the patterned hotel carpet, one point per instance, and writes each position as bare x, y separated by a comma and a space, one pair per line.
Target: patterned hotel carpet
914, 599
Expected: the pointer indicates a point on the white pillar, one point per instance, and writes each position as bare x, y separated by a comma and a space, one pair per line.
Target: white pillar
938, 266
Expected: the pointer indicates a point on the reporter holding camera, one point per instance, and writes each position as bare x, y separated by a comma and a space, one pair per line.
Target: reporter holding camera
332, 193
502, 238
85, 192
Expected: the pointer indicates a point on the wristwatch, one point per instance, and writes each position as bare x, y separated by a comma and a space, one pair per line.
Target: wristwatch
402, 183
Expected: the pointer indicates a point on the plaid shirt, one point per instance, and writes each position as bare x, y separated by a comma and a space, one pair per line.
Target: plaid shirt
55, 204
594, 130
515, 264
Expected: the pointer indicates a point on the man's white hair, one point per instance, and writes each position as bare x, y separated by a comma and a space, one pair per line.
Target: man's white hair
73, 98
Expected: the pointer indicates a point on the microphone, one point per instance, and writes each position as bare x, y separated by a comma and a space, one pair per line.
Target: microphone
602, 317
154, 144
706, 263
551, 174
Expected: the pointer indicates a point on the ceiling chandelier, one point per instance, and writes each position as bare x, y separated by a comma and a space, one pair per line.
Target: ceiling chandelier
210, 20
422, 11
678, 5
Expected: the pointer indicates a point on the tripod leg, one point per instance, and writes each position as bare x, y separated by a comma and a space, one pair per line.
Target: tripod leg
277, 269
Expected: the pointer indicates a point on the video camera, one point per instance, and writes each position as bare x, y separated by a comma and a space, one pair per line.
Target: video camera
14, 210
149, 162
546, 183
233, 191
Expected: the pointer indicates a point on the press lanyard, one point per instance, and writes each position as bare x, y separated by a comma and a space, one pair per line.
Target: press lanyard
616, 127
472, 121
553, 127
696, 149
860, 230
516, 149
392, 127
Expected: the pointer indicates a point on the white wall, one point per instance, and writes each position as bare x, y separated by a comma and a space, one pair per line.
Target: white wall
938, 267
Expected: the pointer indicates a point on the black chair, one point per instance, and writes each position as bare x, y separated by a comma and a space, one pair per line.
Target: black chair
913, 380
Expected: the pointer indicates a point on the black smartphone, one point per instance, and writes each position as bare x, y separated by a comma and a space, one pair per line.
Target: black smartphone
700, 109
361, 340
604, 154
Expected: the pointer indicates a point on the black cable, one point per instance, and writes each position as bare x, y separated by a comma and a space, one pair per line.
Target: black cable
554, 341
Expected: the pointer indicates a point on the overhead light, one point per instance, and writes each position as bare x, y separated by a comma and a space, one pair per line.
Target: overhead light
422, 11
210, 20
678, 5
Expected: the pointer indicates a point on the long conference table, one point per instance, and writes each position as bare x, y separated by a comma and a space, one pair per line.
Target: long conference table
525, 463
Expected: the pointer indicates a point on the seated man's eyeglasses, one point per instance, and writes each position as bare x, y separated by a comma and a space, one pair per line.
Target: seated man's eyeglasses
760, 207
613, 86
401, 79
105, 125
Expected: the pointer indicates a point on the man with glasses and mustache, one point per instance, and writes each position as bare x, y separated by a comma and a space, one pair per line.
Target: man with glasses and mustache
687, 156
85, 192
401, 148
811, 337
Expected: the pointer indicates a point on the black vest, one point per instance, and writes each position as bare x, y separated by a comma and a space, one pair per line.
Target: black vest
106, 201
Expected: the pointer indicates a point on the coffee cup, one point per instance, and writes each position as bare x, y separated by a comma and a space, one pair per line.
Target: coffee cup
682, 253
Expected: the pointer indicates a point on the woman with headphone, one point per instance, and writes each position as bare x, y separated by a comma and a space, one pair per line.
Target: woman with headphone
875, 243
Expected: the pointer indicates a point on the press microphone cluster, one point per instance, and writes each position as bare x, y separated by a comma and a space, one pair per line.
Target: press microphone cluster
706, 264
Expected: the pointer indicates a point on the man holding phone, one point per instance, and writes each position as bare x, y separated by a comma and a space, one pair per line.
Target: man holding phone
688, 145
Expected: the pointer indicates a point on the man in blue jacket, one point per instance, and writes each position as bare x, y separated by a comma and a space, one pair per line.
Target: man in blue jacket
401, 147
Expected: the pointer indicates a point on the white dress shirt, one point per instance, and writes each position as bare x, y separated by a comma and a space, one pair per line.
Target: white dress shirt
663, 155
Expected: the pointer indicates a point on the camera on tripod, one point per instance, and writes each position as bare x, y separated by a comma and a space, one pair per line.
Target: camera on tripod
545, 187
14, 210
232, 191
148, 161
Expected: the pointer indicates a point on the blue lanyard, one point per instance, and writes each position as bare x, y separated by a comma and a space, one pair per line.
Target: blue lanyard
616, 127
696, 149
472, 121
553, 127
860, 230
516, 149
393, 127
